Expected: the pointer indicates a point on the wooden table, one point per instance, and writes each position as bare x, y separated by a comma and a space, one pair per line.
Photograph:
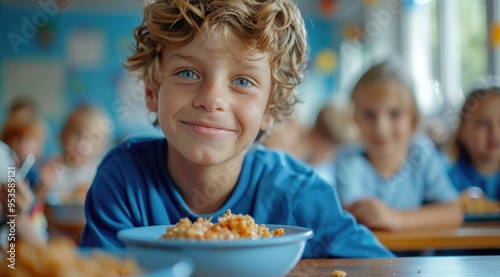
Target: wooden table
472, 235
68, 228
415, 266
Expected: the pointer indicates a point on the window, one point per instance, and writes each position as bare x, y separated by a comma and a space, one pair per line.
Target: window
473, 42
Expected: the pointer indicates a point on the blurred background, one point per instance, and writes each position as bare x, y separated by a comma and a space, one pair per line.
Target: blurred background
63, 53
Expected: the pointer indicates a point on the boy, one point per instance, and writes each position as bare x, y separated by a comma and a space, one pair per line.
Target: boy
218, 74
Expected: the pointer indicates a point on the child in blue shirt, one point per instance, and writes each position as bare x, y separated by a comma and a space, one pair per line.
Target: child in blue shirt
218, 74
476, 146
395, 180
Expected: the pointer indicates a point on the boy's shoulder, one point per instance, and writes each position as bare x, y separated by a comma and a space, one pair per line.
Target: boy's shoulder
272, 160
279, 172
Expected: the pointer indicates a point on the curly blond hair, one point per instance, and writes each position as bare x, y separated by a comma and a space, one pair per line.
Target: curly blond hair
248, 27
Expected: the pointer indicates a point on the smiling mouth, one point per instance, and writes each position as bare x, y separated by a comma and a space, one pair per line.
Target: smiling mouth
207, 130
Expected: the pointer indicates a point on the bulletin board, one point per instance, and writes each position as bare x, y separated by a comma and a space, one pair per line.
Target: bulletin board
40, 80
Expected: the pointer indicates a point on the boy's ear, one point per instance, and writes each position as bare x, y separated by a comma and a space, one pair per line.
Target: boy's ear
267, 121
151, 97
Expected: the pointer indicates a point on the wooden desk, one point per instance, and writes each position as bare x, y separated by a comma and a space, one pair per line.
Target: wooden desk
472, 235
72, 231
415, 266
72, 224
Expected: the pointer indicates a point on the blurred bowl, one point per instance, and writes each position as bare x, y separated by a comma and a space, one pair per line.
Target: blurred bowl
269, 257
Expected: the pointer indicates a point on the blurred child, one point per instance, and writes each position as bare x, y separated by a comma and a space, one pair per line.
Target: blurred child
25, 134
475, 150
288, 136
316, 146
333, 128
22, 134
218, 73
24, 138
84, 138
30, 223
22, 110
395, 180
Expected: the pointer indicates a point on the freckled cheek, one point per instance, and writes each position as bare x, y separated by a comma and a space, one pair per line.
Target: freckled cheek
168, 108
251, 117
254, 113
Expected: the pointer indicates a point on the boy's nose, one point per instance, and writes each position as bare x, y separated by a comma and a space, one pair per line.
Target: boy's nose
382, 125
211, 97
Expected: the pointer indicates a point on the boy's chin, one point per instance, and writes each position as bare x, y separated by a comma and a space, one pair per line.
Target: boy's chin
377, 146
211, 157
389, 148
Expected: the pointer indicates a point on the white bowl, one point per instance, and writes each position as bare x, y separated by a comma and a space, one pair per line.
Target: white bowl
268, 257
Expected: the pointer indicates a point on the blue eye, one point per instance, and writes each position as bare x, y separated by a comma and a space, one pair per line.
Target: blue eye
188, 74
242, 82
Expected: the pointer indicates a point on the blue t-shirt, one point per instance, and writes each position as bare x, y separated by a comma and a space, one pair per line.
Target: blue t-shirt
421, 179
463, 175
132, 188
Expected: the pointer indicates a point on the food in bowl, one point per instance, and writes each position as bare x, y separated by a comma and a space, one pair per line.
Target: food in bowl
61, 258
230, 226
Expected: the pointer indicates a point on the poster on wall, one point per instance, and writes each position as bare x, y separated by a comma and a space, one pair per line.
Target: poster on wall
86, 48
40, 80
